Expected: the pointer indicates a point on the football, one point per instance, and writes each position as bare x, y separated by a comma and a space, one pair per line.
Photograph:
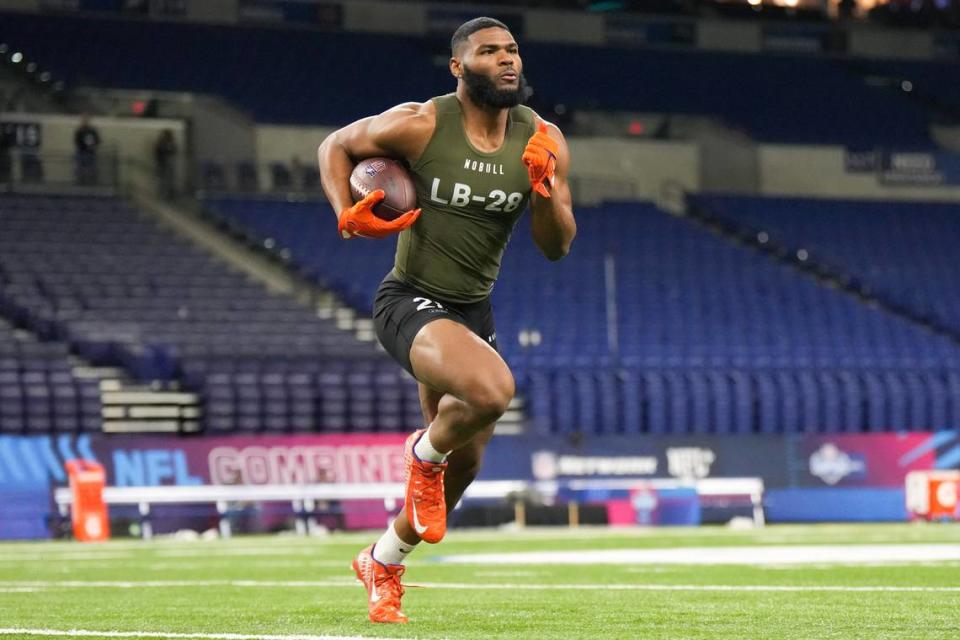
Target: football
391, 176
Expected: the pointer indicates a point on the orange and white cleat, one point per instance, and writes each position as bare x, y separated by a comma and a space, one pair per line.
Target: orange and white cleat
425, 503
384, 590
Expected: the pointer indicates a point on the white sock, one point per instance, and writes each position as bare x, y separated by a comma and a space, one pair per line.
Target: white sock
425, 450
390, 549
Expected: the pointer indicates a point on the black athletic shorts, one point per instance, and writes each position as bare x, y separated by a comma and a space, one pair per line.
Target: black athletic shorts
400, 311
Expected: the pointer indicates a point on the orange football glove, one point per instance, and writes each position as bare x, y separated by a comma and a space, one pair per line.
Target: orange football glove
540, 156
360, 220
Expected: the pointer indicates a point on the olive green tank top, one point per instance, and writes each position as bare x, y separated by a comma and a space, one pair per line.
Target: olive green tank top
471, 201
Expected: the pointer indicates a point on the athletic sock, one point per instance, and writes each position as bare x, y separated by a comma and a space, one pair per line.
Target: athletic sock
390, 549
426, 451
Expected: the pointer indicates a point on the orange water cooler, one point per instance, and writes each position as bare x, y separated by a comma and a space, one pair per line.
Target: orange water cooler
89, 512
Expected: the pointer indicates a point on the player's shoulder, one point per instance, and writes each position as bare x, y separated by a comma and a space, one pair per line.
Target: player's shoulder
412, 114
405, 128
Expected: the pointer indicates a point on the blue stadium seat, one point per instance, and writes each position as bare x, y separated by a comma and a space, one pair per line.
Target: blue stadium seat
91, 274
712, 337
877, 416
655, 404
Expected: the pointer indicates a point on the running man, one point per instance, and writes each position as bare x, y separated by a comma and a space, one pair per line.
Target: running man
477, 156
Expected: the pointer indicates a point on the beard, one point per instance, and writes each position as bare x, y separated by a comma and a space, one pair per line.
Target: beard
484, 93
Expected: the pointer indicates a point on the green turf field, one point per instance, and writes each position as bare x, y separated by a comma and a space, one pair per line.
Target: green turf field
286, 587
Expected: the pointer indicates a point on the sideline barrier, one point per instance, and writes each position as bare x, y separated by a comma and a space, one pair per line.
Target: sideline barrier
304, 498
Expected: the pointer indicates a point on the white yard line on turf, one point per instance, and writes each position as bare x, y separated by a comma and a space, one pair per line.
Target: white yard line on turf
211, 553
33, 557
756, 555
265, 564
85, 633
466, 586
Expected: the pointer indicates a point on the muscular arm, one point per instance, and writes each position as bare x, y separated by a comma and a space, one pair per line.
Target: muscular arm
401, 132
552, 219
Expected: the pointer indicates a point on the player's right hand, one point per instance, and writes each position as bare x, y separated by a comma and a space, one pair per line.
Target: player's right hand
360, 220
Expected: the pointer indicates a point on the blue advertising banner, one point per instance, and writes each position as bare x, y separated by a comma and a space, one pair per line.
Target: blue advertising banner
315, 13
626, 30
444, 21
815, 477
907, 168
946, 45
800, 37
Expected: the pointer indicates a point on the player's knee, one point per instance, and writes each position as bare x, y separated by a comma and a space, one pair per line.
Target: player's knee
491, 397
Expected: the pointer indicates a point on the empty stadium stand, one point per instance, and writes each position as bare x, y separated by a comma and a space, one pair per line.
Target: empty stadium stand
710, 337
278, 75
39, 392
96, 276
902, 252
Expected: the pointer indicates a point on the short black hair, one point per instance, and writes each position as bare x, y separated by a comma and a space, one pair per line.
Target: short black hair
469, 27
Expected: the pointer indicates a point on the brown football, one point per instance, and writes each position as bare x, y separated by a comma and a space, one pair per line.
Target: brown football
391, 176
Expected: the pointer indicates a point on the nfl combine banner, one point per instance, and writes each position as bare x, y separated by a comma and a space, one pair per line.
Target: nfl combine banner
840, 477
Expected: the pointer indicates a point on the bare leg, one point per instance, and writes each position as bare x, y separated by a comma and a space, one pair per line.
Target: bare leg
465, 387
464, 463
476, 383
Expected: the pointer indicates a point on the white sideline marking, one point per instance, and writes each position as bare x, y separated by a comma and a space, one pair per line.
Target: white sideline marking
486, 586
84, 633
208, 553
176, 584
32, 557
267, 564
757, 555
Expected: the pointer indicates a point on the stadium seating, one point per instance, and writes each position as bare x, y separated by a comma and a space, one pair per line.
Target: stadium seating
121, 291
903, 252
785, 98
925, 80
38, 391
710, 337
308, 230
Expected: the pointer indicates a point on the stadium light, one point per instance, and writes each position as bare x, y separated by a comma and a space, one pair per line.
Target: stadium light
16, 57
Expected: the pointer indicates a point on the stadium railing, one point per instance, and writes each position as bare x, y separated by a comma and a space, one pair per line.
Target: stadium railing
27, 170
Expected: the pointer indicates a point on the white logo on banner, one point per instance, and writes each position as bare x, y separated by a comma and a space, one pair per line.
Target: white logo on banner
547, 465
544, 464
831, 464
690, 462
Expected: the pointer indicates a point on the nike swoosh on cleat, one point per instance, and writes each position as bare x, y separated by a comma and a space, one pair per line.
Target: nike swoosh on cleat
420, 529
374, 596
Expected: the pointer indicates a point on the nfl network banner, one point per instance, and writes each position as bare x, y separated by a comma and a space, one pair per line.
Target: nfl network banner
816, 477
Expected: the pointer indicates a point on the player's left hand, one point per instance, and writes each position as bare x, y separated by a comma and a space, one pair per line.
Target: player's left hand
540, 157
